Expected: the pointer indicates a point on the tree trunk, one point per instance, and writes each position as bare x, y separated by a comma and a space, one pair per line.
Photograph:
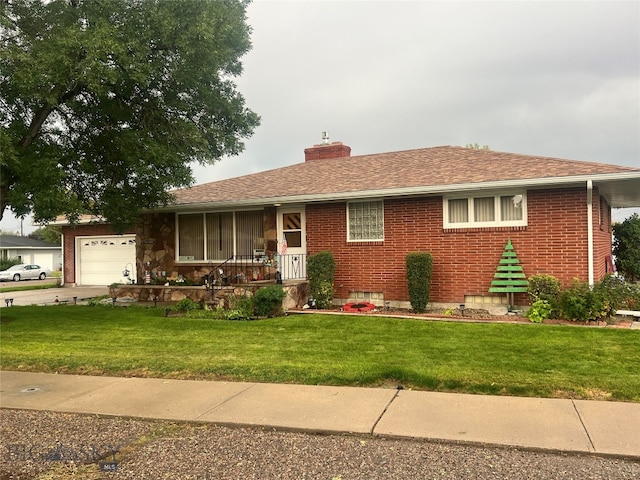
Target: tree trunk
4, 190
36, 124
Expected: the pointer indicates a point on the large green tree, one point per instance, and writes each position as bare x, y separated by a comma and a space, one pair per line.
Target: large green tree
626, 246
104, 103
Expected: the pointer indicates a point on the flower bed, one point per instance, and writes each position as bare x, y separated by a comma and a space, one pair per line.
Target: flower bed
355, 307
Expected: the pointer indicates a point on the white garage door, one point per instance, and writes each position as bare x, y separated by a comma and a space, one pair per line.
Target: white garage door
101, 260
44, 260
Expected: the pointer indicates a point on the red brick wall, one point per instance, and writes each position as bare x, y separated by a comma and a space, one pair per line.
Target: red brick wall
69, 250
602, 240
554, 242
323, 152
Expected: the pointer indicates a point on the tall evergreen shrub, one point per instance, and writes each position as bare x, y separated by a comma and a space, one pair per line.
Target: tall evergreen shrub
321, 271
419, 268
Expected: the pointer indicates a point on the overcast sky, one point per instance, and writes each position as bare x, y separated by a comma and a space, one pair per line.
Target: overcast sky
548, 78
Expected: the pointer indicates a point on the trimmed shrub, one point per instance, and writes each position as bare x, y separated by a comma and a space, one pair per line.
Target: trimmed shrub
267, 301
321, 270
580, 302
544, 287
577, 302
419, 268
186, 305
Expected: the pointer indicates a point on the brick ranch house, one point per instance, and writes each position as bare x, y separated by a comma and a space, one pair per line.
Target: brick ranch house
461, 205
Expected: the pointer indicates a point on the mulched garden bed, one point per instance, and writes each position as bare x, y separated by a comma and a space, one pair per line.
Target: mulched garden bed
472, 315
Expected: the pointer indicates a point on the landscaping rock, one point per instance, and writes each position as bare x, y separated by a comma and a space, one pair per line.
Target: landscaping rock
498, 311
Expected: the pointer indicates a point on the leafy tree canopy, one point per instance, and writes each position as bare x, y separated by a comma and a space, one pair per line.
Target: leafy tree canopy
51, 234
476, 146
626, 246
103, 104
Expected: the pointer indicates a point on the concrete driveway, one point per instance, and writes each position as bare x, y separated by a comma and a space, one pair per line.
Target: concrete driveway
49, 295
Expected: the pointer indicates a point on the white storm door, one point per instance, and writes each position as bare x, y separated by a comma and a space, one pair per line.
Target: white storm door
292, 243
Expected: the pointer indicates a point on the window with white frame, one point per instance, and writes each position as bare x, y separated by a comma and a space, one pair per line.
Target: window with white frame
292, 229
499, 210
219, 235
365, 221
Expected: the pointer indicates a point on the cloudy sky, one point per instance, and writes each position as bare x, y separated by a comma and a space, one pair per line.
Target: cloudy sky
548, 78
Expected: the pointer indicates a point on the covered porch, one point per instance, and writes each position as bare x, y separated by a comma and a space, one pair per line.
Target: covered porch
220, 248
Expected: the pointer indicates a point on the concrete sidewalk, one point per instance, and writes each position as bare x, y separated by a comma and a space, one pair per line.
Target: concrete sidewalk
605, 428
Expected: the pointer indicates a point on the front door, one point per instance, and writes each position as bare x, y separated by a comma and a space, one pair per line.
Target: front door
292, 242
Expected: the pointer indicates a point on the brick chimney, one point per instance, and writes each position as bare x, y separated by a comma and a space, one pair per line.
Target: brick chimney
326, 150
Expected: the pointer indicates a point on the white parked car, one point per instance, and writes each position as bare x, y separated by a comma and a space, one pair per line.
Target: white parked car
24, 272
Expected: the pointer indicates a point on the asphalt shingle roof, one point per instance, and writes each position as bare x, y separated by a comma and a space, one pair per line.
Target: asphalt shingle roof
16, 241
426, 167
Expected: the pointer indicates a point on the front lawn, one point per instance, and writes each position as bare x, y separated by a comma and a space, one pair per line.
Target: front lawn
507, 359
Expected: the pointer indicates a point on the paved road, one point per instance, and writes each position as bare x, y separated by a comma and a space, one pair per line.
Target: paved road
40, 444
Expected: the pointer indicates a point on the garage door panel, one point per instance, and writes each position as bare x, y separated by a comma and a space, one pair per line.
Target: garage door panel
102, 259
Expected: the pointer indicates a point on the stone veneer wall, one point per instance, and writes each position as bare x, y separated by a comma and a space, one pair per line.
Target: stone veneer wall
297, 293
156, 246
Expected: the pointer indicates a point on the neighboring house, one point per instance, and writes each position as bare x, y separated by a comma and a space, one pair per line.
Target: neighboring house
30, 250
461, 205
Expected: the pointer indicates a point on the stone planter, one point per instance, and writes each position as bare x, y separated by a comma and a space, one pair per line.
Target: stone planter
297, 292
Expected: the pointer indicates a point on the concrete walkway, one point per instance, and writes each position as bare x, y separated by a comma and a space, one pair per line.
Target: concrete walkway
594, 427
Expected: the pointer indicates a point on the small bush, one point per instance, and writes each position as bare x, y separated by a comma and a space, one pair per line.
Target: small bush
580, 302
240, 308
575, 302
9, 262
321, 269
267, 301
419, 268
323, 294
544, 287
539, 311
617, 294
98, 301
633, 300
186, 305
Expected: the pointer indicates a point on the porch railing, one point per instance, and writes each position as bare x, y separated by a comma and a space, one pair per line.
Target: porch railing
242, 269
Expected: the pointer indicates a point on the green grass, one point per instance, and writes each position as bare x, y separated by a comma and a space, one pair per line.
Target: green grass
504, 359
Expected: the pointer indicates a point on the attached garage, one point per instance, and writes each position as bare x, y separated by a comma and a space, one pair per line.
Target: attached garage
100, 260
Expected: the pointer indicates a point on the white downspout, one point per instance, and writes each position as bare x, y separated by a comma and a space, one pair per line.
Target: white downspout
590, 231
62, 260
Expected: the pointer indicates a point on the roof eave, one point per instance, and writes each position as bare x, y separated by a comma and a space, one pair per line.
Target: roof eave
572, 181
